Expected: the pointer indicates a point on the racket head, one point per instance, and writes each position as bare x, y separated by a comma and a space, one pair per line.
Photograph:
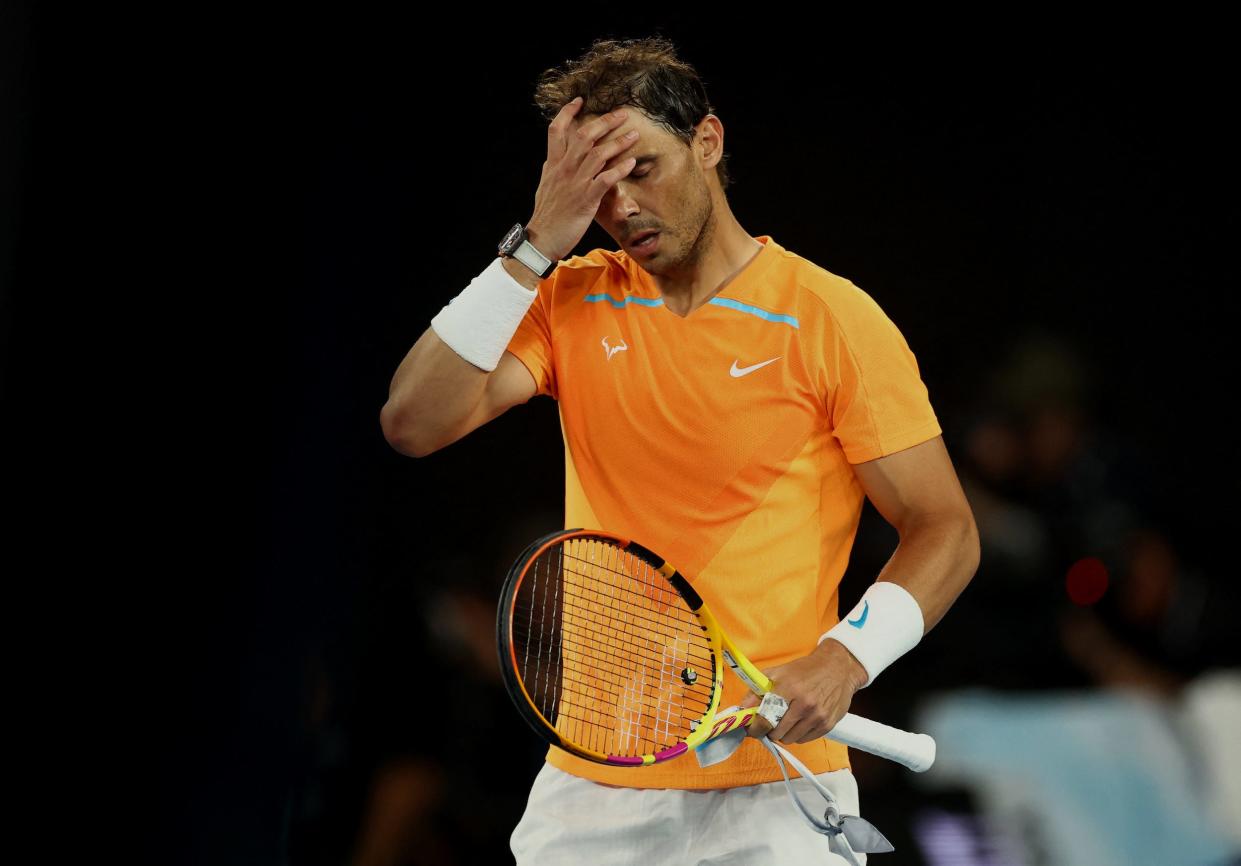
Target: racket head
603, 652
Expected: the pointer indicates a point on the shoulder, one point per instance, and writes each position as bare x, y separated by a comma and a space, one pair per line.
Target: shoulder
577, 277
595, 264
582, 272
824, 297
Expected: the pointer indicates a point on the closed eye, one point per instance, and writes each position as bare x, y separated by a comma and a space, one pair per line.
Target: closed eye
644, 166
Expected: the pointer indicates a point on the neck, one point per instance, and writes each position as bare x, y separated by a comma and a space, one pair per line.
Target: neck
725, 249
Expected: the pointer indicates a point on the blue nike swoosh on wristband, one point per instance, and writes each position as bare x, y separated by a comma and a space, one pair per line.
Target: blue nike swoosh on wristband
861, 620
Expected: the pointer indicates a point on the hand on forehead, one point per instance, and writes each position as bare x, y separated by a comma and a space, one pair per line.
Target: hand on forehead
649, 133
634, 119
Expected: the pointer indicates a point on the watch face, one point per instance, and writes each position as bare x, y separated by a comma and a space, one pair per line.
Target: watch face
512, 240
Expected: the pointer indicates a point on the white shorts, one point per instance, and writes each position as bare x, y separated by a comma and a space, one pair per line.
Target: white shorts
571, 820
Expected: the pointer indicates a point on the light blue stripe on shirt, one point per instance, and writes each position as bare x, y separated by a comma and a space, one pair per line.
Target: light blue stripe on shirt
719, 302
628, 299
755, 311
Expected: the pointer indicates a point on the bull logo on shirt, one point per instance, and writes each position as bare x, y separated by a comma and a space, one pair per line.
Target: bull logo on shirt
612, 350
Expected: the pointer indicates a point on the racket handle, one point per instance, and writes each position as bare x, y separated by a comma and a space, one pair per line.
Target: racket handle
915, 751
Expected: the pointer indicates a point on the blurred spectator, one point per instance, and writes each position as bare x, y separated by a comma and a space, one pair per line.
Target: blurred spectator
1159, 624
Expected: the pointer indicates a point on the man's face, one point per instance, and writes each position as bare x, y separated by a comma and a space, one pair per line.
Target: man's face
666, 191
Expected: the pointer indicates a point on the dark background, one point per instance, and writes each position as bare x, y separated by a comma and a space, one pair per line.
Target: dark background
221, 233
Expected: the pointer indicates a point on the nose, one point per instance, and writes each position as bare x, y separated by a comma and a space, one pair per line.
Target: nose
618, 203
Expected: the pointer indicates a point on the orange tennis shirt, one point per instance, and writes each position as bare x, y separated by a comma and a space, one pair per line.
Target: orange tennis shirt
723, 440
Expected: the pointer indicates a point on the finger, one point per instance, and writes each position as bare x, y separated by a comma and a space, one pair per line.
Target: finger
812, 726
603, 155
608, 179
801, 732
591, 131
759, 727
560, 126
781, 731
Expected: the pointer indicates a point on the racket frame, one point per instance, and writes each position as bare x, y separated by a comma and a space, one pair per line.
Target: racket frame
722, 651
915, 751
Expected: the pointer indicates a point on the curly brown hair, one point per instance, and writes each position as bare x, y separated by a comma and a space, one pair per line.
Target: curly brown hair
645, 73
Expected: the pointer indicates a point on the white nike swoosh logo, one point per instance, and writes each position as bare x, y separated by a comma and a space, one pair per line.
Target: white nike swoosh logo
737, 372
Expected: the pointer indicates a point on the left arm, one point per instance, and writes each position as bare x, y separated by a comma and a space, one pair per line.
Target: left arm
917, 491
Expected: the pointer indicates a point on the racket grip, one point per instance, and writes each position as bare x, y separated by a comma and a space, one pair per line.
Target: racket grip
915, 751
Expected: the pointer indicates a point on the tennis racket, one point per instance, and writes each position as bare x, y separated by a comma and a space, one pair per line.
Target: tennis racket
609, 653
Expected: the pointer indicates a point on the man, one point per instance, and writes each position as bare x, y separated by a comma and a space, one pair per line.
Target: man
729, 404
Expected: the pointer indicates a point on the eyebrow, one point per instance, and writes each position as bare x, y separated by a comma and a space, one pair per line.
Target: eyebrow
641, 160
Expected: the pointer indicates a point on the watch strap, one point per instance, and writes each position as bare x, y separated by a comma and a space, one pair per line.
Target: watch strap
533, 259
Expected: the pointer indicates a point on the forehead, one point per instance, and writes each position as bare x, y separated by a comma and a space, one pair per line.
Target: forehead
649, 131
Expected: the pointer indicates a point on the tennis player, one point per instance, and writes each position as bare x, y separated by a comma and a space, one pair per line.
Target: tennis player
727, 401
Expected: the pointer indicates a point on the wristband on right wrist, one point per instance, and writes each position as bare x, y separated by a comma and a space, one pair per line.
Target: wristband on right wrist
480, 322
885, 624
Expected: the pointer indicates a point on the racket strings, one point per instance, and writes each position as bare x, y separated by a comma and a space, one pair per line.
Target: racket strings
607, 683
585, 616
609, 653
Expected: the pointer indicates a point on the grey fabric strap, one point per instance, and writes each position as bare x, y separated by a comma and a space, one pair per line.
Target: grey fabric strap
858, 834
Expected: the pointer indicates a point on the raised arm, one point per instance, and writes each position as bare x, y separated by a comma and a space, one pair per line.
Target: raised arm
436, 395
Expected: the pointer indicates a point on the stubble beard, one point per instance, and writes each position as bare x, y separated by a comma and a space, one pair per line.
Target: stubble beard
705, 220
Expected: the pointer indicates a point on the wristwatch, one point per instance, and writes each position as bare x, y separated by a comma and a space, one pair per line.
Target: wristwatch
516, 245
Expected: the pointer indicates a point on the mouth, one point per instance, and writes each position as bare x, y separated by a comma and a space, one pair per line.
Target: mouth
644, 242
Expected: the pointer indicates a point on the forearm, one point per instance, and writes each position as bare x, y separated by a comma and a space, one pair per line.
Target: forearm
934, 561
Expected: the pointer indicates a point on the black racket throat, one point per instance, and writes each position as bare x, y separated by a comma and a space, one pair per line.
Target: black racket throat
676, 578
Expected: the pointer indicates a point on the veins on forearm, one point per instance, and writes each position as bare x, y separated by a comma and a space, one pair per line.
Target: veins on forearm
934, 561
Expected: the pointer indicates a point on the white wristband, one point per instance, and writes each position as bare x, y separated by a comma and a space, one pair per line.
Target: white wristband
886, 624
480, 322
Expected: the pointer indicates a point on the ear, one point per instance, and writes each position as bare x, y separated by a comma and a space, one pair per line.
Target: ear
709, 142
